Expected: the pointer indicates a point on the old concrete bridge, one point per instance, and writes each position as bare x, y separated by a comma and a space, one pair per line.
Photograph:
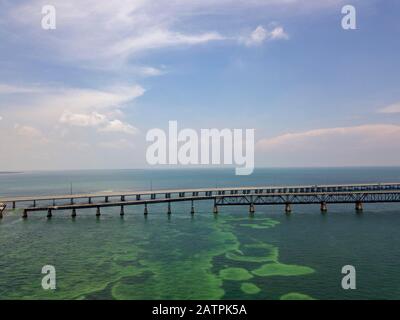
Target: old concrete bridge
245, 196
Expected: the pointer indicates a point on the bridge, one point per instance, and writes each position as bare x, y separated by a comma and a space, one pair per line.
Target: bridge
244, 196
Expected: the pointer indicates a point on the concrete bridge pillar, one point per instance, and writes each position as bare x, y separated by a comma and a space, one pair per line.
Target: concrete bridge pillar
324, 207
215, 209
146, 212
2, 208
252, 209
288, 208
25, 214
73, 215
122, 212
192, 208
13, 205
49, 213
169, 208
359, 206
98, 213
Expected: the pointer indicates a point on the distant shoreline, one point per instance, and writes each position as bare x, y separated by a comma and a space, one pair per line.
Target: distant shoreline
10, 172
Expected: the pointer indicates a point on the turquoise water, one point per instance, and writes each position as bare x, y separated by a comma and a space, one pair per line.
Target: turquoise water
232, 255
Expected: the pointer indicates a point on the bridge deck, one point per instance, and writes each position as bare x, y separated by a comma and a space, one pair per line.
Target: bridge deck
249, 189
286, 195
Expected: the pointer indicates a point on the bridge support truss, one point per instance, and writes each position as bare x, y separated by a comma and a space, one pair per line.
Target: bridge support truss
318, 198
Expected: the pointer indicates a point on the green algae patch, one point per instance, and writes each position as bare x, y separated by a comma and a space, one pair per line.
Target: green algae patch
255, 218
264, 223
256, 226
296, 296
280, 269
249, 288
183, 273
161, 282
235, 274
267, 253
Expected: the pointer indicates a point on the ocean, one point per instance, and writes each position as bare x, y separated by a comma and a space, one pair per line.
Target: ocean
232, 255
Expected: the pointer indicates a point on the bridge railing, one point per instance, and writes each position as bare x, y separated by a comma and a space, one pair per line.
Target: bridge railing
168, 194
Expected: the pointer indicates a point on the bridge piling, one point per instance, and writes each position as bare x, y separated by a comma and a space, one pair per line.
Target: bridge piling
288, 208
192, 208
215, 209
169, 208
98, 213
324, 207
49, 213
13, 205
146, 212
25, 214
252, 209
2, 208
73, 214
122, 212
359, 206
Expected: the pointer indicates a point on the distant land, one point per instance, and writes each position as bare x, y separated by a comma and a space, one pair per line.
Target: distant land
10, 172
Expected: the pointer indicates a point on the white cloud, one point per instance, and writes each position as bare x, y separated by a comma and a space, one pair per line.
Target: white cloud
11, 89
89, 99
279, 33
56, 110
160, 38
371, 131
117, 144
98, 120
118, 30
113, 31
393, 108
257, 36
370, 144
83, 120
261, 35
31, 133
150, 71
75, 106
119, 126
27, 131
60, 98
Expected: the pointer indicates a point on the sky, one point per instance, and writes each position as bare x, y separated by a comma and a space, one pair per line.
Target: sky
84, 95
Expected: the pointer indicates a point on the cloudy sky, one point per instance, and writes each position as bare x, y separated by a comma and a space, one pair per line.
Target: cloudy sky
84, 95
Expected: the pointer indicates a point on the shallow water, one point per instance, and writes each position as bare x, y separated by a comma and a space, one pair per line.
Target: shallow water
232, 255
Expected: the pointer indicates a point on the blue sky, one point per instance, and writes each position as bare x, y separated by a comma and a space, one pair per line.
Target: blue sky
84, 95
